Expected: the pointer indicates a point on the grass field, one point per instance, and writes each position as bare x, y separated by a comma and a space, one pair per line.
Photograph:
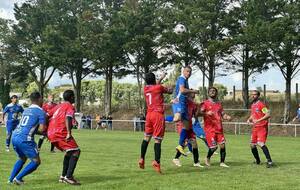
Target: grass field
109, 161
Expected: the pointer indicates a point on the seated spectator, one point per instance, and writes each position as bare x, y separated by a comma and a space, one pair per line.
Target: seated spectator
297, 117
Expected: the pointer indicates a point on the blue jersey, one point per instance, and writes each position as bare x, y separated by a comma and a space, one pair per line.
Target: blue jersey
298, 113
12, 112
31, 118
181, 81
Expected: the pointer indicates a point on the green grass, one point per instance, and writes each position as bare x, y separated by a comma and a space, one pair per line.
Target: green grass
109, 161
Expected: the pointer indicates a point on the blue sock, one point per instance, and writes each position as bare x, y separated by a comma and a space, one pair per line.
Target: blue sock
190, 147
16, 169
27, 170
182, 137
7, 142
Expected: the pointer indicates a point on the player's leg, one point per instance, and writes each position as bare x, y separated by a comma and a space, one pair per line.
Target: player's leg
261, 141
9, 129
30, 151
183, 134
176, 161
52, 147
41, 140
19, 163
253, 146
212, 144
147, 137
195, 152
158, 134
157, 155
74, 157
220, 138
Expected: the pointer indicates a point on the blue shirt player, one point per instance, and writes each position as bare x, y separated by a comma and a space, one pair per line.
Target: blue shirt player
33, 121
179, 106
11, 112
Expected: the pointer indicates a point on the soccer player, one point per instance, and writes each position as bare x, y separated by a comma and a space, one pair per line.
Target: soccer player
33, 120
259, 121
297, 117
180, 108
59, 133
12, 111
213, 114
191, 138
155, 121
47, 107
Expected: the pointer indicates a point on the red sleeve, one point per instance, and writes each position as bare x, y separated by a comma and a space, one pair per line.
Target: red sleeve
163, 89
202, 107
70, 111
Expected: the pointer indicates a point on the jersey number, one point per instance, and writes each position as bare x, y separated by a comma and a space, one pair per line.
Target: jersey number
24, 120
149, 98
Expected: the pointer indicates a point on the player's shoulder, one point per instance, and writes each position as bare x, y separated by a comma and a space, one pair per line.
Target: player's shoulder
9, 105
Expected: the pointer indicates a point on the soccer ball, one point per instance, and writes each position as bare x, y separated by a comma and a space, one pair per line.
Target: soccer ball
179, 29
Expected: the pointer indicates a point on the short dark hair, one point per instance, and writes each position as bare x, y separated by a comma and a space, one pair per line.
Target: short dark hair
187, 67
14, 96
150, 79
68, 95
35, 96
212, 87
257, 92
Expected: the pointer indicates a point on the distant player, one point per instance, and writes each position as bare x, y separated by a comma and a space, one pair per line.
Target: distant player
259, 121
191, 138
213, 114
59, 133
180, 108
11, 112
49, 105
155, 121
33, 121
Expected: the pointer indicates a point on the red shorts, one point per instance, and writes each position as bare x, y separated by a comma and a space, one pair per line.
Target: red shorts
190, 133
66, 146
213, 139
259, 135
155, 125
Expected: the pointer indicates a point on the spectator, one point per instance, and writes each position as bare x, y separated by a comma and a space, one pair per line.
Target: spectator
83, 122
109, 122
89, 121
297, 118
98, 120
103, 122
134, 123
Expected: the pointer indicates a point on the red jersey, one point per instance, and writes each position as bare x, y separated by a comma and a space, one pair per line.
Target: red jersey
48, 106
57, 129
259, 110
154, 98
192, 108
213, 123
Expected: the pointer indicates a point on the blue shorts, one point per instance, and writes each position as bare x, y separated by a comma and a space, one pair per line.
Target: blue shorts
10, 126
182, 109
198, 130
26, 149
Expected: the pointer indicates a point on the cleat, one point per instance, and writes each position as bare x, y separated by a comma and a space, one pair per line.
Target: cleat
7, 149
9, 182
180, 149
71, 181
61, 179
256, 163
142, 163
207, 162
270, 164
176, 162
222, 164
198, 165
18, 182
156, 167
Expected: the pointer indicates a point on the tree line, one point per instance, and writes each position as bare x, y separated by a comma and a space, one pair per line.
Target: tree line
115, 38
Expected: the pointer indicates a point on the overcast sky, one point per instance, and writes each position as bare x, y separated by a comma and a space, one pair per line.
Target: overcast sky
272, 78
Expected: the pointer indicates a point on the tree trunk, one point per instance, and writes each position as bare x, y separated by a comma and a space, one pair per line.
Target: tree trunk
287, 101
4, 92
108, 90
78, 89
204, 96
140, 88
211, 71
245, 79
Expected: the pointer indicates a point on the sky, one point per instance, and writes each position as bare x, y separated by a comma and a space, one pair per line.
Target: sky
272, 78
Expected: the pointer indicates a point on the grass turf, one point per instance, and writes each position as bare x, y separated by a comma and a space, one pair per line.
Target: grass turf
109, 161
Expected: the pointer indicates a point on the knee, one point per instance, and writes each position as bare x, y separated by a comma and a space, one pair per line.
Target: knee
261, 144
158, 141
76, 153
252, 146
213, 149
222, 146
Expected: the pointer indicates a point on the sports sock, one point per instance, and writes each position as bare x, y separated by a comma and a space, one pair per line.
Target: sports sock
211, 152
72, 163
182, 137
66, 163
178, 154
41, 140
7, 141
222, 154
190, 147
52, 147
157, 151
267, 153
255, 154
196, 155
144, 147
17, 168
28, 169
